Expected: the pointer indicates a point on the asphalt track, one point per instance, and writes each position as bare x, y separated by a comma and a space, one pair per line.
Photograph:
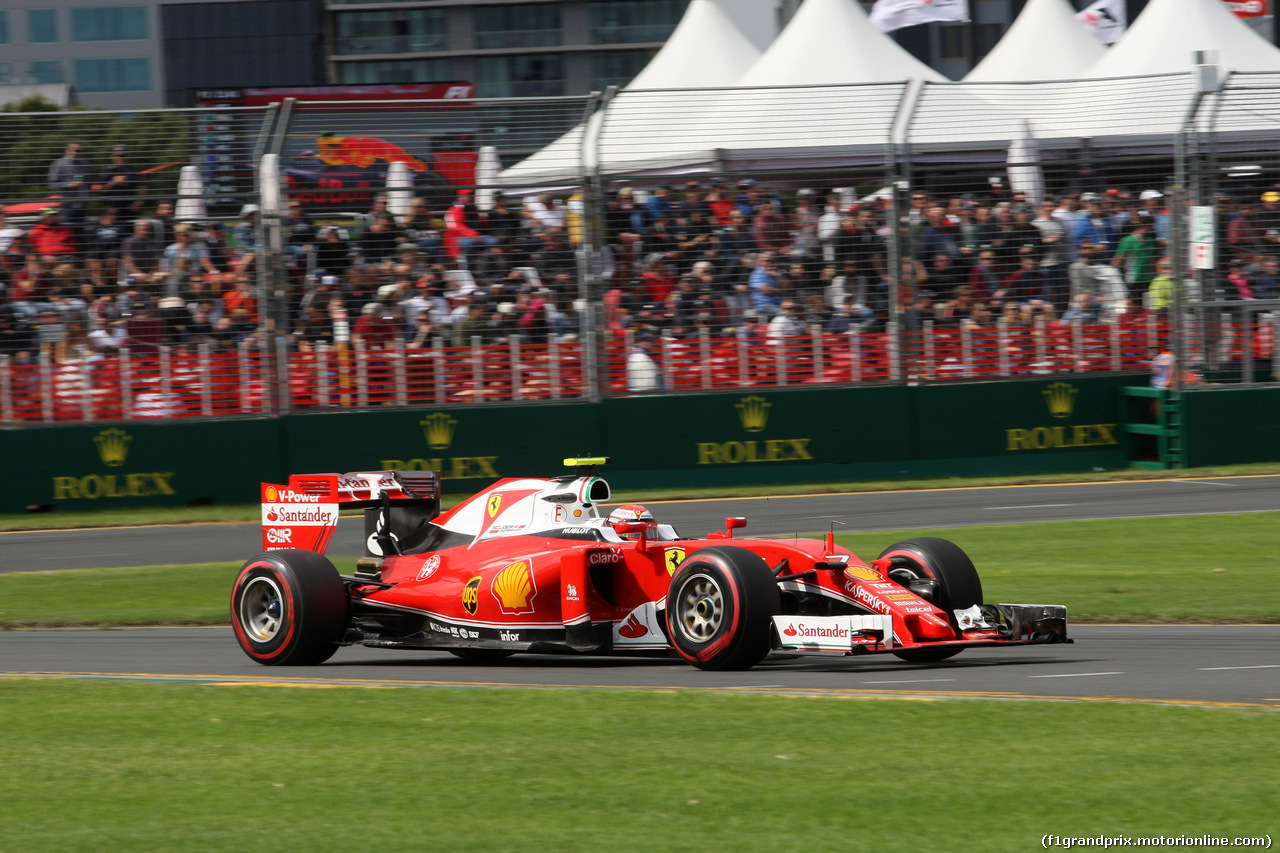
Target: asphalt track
1198, 665
777, 516
1203, 665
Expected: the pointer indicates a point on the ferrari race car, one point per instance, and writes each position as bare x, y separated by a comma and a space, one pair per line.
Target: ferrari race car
531, 565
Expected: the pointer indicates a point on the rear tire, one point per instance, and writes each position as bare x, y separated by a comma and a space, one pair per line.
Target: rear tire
720, 608
958, 583
289, 608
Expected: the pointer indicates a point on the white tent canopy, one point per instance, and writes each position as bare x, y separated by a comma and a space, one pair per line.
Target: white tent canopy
1167, 32
1046, 42
831, 41
706, 50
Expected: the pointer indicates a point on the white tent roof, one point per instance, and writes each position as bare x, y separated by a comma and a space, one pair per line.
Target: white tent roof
707, 49
831, 41
1046, 42
1164, 36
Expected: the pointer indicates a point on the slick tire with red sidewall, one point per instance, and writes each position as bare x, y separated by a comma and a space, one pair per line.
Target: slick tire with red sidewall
720, 608
958, 583
289, 608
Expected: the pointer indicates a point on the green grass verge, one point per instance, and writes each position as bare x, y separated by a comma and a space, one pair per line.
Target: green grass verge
62, 520
1221, 568
111, 766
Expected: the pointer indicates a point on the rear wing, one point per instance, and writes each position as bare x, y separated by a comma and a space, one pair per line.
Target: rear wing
304, 513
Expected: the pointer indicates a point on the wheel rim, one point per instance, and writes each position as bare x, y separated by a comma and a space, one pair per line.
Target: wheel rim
699, 608
261, 609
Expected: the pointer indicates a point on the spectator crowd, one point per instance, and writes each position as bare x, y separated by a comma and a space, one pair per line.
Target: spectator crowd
105, 269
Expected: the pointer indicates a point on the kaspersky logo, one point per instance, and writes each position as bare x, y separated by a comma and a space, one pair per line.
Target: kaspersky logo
1060, 397
113, 446
753, 412
438, 429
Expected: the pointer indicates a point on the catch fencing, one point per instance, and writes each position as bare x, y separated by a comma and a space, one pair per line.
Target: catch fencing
86, 334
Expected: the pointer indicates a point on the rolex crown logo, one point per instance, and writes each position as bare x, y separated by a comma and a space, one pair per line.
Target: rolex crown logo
1061, 399
113, 446
753, 411
438, 429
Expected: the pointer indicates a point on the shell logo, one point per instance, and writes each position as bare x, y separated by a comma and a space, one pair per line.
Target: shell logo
867, 574
495, 503
272, 496
514, 588
471, 595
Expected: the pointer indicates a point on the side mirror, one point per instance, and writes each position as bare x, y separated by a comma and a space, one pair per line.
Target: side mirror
641, 527
734, 523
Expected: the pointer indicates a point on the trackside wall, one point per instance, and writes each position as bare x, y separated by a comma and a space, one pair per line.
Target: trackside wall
728, 439
1230, 426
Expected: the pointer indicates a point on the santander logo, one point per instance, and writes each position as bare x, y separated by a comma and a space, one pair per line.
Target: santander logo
790, 631
633, 628
271, 516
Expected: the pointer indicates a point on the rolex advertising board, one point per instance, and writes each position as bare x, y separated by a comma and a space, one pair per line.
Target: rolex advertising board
470, 447
100, 466
752, 436
1065, 424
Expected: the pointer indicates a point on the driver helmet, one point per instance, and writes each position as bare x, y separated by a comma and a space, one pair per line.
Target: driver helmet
629, 512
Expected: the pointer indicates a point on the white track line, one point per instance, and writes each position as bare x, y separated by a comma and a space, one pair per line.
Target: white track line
1075, 674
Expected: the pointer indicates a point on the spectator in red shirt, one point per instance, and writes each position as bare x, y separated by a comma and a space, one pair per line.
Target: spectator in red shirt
51, 237
770, 230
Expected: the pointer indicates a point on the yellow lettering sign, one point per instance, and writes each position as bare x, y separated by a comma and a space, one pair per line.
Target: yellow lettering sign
1060, 437
738, 452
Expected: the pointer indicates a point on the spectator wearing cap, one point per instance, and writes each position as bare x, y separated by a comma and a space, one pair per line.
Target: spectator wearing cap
1153, 203
1095, 227
51, 236
120, 188
1269, 220
70, 177
246, 239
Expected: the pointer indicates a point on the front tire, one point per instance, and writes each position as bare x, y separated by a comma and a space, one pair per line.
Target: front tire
720, 608
289, 608
928, 557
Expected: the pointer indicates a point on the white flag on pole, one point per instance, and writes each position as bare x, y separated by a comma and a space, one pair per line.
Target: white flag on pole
1105, 19
890, 15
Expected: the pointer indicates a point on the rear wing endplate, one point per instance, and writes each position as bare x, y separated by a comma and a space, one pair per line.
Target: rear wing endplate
304, 512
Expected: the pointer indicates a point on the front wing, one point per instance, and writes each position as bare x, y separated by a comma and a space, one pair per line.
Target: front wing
981, 625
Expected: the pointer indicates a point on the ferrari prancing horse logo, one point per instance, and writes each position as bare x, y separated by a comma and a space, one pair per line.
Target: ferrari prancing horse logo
673, 557
495, 501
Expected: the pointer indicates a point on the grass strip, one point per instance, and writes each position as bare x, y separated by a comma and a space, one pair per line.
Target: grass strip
63, 520
110, 766
1221, 568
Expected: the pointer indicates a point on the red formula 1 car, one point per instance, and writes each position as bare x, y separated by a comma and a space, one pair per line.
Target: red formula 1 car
530, 565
